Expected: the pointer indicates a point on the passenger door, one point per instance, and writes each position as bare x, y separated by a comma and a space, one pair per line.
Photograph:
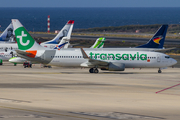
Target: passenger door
158, 58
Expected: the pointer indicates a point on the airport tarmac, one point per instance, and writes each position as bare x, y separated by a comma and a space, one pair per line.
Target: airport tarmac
59, 93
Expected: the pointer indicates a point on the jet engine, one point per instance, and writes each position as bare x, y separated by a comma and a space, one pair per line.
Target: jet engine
114, 66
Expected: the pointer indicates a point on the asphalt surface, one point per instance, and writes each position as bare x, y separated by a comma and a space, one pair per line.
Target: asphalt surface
60, 93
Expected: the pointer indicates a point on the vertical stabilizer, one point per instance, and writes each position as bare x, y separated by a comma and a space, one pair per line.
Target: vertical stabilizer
24, 39
8, 34
99, 43
157, 41
65, 32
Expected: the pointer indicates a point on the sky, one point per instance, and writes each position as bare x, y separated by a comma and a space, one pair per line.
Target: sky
90, 3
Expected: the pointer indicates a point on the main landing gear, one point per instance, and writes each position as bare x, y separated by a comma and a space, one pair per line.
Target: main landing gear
93, 70
159, 71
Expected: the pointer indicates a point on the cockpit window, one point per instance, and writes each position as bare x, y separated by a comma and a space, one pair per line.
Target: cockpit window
167, 57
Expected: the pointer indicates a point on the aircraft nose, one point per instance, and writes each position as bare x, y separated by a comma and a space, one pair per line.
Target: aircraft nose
11, 60
174, 61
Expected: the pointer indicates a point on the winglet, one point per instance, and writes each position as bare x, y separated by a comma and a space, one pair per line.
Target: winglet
84, 54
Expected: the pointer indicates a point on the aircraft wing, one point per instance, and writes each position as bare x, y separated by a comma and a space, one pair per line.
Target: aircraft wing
92, 62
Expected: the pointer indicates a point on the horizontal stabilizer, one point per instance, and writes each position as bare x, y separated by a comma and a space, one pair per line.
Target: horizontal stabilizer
164, 50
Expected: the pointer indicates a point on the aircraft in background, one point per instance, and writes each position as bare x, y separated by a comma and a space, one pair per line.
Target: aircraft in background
17, 60
112, 59
8, 34
99, 43
65, 32
6, 55
157, 41
10, 47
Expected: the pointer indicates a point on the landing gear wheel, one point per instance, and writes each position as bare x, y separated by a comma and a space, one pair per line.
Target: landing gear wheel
159, 71
96, 70
91, 70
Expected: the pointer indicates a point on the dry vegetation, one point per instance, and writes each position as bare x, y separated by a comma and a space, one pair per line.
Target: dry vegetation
174, 28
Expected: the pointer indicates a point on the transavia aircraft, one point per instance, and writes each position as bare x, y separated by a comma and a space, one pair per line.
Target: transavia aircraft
104, 58
65, 32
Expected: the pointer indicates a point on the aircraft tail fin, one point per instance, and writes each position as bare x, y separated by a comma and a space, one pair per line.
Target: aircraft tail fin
8, 34
65, 32
99, 43
157, 41
24, 39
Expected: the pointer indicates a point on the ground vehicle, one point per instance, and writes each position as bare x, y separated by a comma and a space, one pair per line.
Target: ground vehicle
27, 64
1, 62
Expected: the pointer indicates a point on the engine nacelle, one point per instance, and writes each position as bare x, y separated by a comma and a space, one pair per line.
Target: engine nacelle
115, 66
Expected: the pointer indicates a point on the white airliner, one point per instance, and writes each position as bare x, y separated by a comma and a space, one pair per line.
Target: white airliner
105, 58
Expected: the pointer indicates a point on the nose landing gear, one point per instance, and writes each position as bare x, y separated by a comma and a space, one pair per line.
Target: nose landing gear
159, 71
